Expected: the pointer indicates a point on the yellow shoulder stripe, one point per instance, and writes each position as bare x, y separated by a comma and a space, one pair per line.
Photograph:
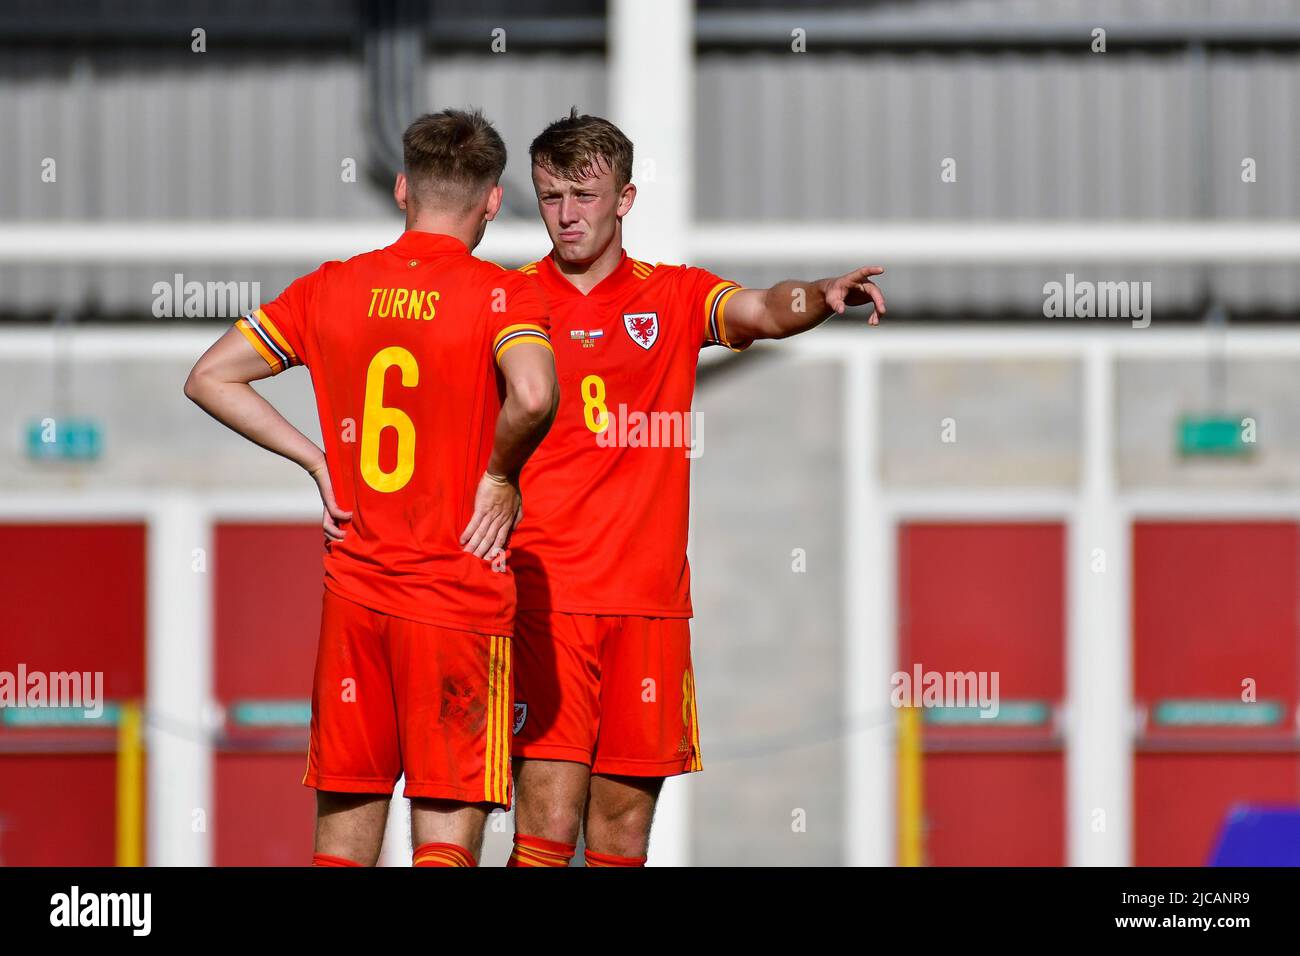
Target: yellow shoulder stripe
521, 327
280, 340
262, 350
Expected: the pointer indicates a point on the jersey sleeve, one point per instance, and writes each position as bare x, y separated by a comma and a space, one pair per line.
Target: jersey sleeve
518, 315
277, 329
708, 296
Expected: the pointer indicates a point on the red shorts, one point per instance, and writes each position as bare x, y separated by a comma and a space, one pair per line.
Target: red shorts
393, 696
615, 693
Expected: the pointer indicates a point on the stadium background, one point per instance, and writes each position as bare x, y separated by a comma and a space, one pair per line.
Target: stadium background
1085, 535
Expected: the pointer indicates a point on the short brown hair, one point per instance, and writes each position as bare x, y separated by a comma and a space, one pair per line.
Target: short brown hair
451, 156
576, 146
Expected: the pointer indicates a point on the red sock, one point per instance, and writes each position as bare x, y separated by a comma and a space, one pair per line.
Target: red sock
324, 859
609, 859
443, 854
534, 851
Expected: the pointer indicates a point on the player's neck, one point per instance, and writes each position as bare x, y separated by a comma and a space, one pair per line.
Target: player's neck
585, 276
465, 230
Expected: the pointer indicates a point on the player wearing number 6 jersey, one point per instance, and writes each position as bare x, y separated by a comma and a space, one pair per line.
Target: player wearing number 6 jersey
605, 696
434, 381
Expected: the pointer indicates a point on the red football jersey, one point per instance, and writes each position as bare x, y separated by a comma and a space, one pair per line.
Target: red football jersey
607, 495
403, 345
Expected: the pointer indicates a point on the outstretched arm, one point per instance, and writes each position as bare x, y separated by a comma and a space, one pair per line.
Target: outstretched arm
219, 384
789, 308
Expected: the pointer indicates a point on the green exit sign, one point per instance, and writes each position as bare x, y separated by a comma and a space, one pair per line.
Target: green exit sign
1229, 712
1011, 713
271, 713
1217, 436
64, 439
110, 716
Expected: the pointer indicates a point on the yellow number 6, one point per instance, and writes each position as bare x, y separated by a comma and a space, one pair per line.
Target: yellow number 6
376, 418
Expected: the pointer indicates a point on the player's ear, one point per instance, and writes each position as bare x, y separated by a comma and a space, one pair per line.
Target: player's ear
494, 202
626, 196
399, 191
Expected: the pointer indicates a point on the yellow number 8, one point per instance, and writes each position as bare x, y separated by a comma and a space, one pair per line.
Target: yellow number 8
594, 411
375, 418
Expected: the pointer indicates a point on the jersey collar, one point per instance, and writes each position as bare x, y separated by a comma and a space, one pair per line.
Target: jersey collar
415, 244
611, 285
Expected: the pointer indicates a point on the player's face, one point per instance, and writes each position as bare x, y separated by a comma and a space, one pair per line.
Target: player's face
581, 216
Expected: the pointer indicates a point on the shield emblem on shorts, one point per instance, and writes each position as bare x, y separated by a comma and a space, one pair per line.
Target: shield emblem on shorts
521, 714
643, 327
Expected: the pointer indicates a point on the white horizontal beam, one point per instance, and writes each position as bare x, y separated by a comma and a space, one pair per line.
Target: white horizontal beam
19, 507
954, 243
271, 242
1210, 504
87, 506
1030, 504
1053, 338
887, 243
1011, 505
183, 339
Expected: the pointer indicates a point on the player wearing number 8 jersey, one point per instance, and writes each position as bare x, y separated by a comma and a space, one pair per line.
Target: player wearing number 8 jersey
434, 381
605, 692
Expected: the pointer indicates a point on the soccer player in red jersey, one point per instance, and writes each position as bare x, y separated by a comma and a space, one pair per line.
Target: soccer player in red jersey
604, 691
434, 381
